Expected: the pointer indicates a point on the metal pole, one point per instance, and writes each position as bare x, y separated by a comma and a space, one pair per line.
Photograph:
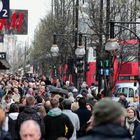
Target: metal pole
76, 33
54, 38
76, 23
108, 55
85, 57
73, 19
80, 39
99, 48
112, 23
107, 18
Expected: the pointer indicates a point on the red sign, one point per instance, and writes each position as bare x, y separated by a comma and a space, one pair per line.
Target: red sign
17, 23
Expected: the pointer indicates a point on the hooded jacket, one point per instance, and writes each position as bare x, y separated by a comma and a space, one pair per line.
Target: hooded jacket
57, 125
108, 132
12, 117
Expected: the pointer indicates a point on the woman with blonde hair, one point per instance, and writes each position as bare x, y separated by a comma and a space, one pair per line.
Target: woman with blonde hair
131, 121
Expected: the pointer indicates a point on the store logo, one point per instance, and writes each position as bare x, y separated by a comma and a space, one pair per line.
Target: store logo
4, 9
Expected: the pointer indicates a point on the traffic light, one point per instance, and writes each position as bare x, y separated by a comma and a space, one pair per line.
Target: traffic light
107, 67
80, 64
107, 63
101, 71
101, 63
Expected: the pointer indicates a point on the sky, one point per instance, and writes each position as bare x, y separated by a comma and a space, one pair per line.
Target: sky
37, 9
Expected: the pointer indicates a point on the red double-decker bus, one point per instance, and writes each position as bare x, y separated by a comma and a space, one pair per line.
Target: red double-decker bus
125, 67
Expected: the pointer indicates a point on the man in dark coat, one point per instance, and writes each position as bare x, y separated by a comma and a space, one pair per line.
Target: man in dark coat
137, 133
83, 113
30, 113
56, 123
108, 122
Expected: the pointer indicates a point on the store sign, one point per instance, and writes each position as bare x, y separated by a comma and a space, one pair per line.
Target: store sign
16, 24
4, 9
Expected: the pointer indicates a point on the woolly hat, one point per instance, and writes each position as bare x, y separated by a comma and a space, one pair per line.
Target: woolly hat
106, 111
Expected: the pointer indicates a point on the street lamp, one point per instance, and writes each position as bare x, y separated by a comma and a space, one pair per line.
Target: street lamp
80, 50
54, 49
112, 44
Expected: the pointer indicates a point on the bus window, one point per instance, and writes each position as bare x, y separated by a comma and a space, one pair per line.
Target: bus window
125, 90
131, 92
119, 91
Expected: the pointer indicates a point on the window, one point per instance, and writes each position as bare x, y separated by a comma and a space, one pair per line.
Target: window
131, 92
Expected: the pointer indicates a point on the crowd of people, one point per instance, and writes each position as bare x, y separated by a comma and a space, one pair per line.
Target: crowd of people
30, 111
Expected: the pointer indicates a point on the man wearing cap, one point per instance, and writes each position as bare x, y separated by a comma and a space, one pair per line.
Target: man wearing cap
108, 123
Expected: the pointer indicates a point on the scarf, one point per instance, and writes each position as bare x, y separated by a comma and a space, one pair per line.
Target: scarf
130, 125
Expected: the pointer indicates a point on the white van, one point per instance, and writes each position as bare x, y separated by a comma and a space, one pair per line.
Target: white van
130, 89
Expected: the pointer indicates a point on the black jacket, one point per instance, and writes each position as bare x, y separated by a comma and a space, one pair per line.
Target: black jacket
137, 133
55, 127
108, 132
30, 113
5, 135
84, 115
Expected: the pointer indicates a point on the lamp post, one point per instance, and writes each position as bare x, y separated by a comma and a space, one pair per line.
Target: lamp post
54, 52
79, 55
112, 43
54, 49
80, 61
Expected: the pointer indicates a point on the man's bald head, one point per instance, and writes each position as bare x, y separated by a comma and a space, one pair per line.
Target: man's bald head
30, 130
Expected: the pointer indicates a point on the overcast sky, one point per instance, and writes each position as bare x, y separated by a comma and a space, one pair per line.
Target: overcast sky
37, 9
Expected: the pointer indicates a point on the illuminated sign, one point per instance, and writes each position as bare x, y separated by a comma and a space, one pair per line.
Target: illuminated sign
16, 24
4, 9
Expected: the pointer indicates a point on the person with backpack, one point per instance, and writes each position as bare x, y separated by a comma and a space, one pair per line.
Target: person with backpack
10, 123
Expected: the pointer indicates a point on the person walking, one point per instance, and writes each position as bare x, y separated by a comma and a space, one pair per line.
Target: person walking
83, 113
72, 116
30, 130
108, 123
131, 121
30, 112
56, 123
123, 100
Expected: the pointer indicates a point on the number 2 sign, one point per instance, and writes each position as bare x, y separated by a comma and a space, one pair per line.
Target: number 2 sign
4, 9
